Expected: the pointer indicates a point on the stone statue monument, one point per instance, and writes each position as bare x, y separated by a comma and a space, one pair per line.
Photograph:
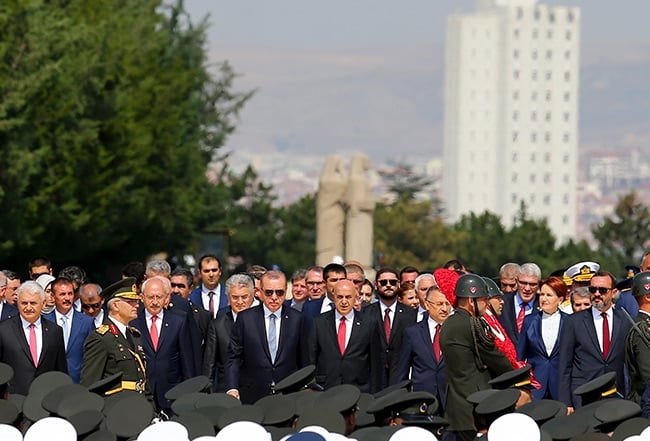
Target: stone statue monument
330, 213
344, 208
361, 204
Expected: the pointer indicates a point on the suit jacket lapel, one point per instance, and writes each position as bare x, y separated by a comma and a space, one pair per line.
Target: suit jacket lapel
556, 346
260, 324
165, 328
141, 324
588, 321
616, 331
20, 336
427, 341
46, 341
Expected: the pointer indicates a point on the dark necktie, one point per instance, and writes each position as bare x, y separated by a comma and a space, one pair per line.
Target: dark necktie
211, 304
521, 315
605, 335
387, 324
341, 335
436, 344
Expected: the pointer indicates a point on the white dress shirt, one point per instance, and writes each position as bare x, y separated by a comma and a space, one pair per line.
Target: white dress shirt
598, 323
349, 322
550, 330
39, 335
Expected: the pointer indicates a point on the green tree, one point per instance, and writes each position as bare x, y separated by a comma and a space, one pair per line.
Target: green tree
405, 184
482, 242
407, 234
296, 242
623, 237
108, 117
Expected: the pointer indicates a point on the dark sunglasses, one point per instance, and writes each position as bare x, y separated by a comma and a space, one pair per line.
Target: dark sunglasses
277, 292
599, 289
91, 305
391, 282
179, 285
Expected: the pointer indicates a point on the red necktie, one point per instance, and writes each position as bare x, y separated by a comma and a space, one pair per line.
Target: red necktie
211, 304
153, 331
436, 343
605, 335
387, 325
32, 344
341, 335
521, 315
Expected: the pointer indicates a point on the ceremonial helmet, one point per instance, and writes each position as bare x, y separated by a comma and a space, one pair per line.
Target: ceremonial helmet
471, 286
641, 284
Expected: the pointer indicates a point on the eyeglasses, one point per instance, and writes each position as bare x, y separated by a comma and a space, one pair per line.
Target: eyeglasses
314, 282
438, 304
179, 285
90, 305
528, 283
599, 289
384, 282
277, 292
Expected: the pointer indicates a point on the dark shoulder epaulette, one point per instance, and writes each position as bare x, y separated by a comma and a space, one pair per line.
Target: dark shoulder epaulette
134, 331
102, 329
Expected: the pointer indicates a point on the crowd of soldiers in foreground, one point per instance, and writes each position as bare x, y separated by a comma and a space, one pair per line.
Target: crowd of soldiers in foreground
443, 354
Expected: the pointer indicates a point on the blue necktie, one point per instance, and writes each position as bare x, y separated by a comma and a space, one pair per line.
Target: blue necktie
273, 346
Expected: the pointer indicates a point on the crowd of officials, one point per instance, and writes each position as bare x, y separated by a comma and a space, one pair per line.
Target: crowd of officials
446, 353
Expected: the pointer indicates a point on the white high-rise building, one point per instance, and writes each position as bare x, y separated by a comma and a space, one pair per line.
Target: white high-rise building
511, 112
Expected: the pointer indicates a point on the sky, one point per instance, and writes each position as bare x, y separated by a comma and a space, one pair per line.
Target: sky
358, 75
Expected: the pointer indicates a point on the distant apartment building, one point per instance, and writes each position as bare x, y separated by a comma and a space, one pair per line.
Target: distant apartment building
511, 112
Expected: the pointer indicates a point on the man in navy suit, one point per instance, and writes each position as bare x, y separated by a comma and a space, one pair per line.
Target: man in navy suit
75, 325
518, 304
345, 346
31, 345
211, 295
7, 310
166, 341
240, 289
391, 318
593, 341
332, 273
421, 352
267, 343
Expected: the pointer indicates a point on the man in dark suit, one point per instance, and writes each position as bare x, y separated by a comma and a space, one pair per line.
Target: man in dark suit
76, 325
332, 273
345, 346
7, 310
267, 343
31, 345
211, 295
421, 353
518, 304
166, 342
391, 318
240, 289
593, 341
299, 292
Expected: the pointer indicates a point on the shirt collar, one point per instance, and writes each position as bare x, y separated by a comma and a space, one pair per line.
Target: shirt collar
205, 291
69, 315
26, 324
267, 311
148, 315
348, 318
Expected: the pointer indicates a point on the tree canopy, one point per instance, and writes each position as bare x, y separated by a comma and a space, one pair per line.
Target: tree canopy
108, 118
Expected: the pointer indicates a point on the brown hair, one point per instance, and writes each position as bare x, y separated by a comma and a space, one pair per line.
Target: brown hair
557, 285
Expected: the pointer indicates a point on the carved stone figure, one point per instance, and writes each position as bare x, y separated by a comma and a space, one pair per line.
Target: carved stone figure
330, 213
361, 204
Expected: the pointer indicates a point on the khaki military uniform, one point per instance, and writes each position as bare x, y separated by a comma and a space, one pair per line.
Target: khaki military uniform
107, 352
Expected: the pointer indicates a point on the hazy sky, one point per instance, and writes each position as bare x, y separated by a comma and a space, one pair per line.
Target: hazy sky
361, 75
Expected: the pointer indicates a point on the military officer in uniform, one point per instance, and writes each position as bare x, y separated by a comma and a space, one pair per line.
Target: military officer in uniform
471, 358
115, 346
637, 342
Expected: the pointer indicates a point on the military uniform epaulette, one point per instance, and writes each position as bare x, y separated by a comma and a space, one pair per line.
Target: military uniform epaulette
102, 329
134, 331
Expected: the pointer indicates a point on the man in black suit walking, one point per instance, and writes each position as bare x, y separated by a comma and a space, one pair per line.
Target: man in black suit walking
391, 317
31, 345
267, 343
240, 290
344, 344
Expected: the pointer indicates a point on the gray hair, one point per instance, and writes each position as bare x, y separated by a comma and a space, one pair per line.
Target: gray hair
30, 287
164, 281
158, 267
3, 280
530, 269
94, 288
510, 270
421, 277
581, 291
299, 274
241, 280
